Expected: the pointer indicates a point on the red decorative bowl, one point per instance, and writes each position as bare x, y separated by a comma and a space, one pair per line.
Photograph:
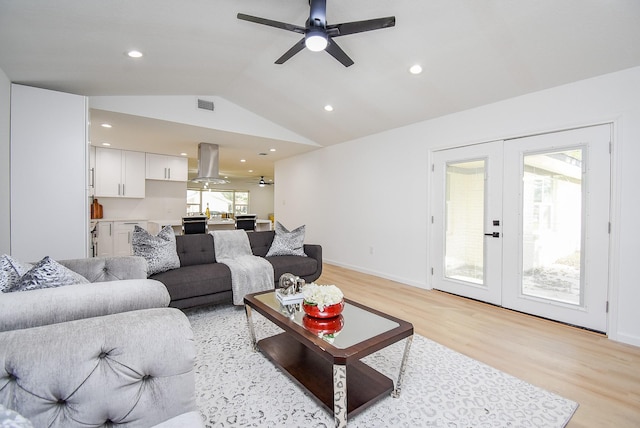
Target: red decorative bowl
322, 326
328, 311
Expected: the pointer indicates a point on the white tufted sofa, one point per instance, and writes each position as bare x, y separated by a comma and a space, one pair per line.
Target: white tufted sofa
104, 354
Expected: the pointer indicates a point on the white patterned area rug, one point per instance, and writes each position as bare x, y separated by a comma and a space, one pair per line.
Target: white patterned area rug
236, 387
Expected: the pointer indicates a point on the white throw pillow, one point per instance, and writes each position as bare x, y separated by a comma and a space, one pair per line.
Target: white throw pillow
159, 251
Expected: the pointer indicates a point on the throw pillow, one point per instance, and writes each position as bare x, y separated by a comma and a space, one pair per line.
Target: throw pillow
159, 251
287, 243
11, 271
12, 419
47, 273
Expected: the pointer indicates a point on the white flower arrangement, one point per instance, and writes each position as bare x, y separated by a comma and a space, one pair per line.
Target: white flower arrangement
321, 295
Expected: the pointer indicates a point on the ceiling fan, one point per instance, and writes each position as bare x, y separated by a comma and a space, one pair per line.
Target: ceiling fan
263, 183
318, 35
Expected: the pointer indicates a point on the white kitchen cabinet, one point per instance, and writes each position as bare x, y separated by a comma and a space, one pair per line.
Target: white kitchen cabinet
114, 237
123, 233
104, 238
169, 168
119, 173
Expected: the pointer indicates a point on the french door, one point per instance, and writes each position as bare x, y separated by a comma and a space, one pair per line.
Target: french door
524, 224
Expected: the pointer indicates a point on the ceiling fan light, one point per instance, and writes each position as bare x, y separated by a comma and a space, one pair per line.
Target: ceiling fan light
316, 41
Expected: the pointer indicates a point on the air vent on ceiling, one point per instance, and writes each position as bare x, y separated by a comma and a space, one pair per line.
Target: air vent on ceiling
205, 105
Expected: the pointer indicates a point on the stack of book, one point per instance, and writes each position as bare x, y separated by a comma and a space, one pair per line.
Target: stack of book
289, 299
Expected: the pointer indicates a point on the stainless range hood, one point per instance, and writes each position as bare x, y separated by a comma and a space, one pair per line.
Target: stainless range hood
208, 158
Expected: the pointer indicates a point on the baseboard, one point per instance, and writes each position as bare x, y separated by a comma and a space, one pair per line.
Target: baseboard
379, 274
628, 339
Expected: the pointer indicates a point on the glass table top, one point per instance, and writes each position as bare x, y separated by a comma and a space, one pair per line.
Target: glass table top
353, 326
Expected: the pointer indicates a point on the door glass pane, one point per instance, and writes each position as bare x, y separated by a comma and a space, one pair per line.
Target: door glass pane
464, 217
552, 225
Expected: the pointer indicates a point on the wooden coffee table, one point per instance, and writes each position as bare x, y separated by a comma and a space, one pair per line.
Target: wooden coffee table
328, 365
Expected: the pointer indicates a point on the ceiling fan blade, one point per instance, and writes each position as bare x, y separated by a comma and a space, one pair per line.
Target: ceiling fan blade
335, 51
346, 28
291, 52
271, 23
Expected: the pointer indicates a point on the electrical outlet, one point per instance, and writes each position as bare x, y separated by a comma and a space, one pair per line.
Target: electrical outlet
371, 250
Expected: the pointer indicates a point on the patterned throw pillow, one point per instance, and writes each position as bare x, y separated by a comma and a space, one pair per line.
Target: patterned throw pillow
12, 419
287, 243
159, 251
11, 271
47, 273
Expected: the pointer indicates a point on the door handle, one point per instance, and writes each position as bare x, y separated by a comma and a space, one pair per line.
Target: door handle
493, 235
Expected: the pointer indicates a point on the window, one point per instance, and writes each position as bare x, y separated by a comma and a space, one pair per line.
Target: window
219, 201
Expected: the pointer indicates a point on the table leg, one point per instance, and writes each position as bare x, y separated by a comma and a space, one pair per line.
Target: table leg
403, 366
340, 395
252, 333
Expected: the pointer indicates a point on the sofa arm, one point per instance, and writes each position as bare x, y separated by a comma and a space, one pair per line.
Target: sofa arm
134, 368
33, 308
101, 269
314, 251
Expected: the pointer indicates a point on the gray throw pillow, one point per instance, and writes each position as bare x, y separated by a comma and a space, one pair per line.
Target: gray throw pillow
159, 251
287, 243
47, 273
11, 271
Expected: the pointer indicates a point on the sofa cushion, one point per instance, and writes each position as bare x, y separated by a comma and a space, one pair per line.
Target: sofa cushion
195, 249
196, 280
133, 369
287, 243
159, 251
47, 273
302, 266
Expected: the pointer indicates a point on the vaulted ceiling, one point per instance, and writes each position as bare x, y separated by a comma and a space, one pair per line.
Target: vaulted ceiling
473, 52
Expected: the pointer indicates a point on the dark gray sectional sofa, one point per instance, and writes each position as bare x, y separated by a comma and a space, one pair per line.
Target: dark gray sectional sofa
200, 280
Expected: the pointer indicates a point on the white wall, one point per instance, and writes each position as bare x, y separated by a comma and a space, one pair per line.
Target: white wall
5, 171
367, 201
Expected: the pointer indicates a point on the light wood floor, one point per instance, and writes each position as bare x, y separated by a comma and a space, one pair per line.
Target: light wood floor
601, 375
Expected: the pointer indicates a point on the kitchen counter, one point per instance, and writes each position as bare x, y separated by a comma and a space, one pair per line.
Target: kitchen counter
154, 226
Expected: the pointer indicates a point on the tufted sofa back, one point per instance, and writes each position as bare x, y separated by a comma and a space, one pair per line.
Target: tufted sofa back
133, 369
198, 249
261, 242
101, 269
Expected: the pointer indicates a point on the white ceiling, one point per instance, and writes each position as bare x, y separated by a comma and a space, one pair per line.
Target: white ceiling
473, 52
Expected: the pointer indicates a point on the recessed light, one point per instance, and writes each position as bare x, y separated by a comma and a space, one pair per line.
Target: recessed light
243, 160
272, 150
250, 170
106, 144
106, 125
328, 107
183, 154
134, 54
415, 69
